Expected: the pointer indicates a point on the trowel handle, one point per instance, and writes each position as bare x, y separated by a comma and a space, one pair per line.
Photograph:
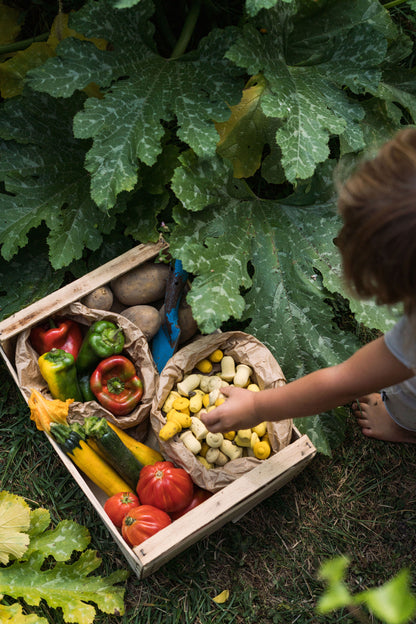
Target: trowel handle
174, 287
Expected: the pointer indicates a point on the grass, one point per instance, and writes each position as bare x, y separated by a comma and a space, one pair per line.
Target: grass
360, 502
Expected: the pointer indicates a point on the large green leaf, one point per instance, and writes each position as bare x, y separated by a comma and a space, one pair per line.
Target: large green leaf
127, 125
27, 277
42, 166
60, 542
13, 614
254, 6
267, 233
66, 585
399, 85
45, 568
394, 601
308, 64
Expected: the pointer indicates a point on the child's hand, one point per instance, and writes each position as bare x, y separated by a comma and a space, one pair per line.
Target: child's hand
237, 412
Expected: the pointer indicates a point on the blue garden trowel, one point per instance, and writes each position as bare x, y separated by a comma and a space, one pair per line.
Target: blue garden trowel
166, 340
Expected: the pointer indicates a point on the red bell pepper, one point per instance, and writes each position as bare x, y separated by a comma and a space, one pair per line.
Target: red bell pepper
64, 334
116, 385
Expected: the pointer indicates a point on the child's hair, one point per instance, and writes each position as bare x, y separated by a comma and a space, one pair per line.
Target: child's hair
378, 238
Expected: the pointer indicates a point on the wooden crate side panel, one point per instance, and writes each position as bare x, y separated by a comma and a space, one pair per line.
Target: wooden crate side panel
228, 504
78, 289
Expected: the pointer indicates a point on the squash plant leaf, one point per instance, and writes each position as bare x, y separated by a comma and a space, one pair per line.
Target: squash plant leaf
399, 86
13, 614
65, 585
14, 524
10, 24
393, 602
13, 71
29, 275
40, 568
45, 184
40, 519
266, 233
307, 69
127, 124
60, 542
254, 6
125, 4
244, 134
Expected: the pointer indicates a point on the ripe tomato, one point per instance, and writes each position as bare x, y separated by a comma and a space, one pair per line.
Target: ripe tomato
143, 522
199, 497
118, 505
164, 486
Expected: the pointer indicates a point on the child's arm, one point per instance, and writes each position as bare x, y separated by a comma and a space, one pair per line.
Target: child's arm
370, 369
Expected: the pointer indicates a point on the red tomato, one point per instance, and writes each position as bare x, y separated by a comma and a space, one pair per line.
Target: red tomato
199, 497
118, 505
164, 486
143, 522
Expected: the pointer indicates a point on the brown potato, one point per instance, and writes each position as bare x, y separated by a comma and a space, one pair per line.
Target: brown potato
144, 284
117, 306
99, 299
145, 317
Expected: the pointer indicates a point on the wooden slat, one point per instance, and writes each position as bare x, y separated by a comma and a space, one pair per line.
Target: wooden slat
78, 289
231, 502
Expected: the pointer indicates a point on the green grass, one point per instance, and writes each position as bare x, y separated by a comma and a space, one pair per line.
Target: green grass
360, 502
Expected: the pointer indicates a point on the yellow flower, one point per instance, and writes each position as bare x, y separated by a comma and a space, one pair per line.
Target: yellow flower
44, 411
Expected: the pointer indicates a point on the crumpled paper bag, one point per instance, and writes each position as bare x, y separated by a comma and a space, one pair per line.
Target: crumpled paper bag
136, 349
245, 349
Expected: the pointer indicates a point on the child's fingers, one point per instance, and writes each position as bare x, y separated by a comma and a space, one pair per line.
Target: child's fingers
214, 421
225, 390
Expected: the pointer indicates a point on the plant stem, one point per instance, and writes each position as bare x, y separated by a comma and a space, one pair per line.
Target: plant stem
393, 3
163, 25
187, 30
21, 45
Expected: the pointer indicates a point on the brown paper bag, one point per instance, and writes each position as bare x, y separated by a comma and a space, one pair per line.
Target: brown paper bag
245, 349
136, 349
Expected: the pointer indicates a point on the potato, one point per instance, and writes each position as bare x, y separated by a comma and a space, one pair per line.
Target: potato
117, 307
187, 322
143, 284
99, 299
146, 318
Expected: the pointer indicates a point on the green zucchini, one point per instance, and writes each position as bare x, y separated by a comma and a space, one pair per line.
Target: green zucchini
115, 451
71, 440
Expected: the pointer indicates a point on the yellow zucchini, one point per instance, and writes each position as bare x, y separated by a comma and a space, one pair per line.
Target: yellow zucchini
88, 461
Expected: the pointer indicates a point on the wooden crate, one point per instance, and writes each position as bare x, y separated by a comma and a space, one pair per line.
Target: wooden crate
229, 504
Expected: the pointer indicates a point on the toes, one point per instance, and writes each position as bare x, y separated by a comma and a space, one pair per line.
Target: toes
357, 409
370, 399
367, 432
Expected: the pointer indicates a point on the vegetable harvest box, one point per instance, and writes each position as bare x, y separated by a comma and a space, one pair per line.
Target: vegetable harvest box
228, 504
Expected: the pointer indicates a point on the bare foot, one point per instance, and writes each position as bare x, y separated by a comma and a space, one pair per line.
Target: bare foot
375, 421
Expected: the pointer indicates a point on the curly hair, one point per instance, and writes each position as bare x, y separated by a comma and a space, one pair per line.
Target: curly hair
378, 238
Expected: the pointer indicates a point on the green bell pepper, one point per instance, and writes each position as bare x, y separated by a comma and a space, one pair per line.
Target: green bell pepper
103, 338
